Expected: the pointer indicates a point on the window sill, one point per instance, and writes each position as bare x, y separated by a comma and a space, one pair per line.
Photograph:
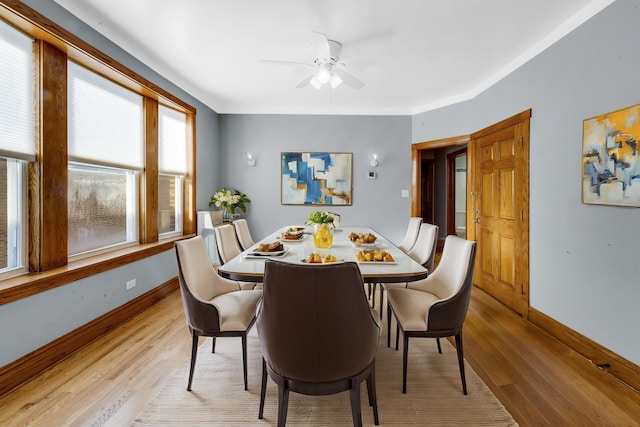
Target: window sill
29, 284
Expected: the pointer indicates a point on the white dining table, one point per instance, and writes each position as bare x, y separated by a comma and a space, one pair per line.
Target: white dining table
249, 267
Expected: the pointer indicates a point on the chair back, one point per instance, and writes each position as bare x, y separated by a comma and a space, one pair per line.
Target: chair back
424, 250
227, 242
315, 324
244, 236
199, 283
451, 282
411, 235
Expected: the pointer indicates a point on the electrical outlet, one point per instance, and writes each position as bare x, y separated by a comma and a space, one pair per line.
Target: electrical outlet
131, 284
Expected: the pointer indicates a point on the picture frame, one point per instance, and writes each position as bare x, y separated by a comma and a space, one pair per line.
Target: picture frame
316, 178
610, 160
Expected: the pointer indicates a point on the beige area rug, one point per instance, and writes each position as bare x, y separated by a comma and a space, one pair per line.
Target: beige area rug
434, 392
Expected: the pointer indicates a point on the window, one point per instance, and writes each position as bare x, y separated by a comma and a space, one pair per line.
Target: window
17, 145
94, 154
105, 152
172, 166
102, 207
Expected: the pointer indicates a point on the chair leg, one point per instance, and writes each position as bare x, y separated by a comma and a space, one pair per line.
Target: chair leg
397, 334
283, 403
388, 325
263, 389
354, 393
405, 357
213, 344
439, 348
194, 354
373, 296
461, 361
371, 390
244, 359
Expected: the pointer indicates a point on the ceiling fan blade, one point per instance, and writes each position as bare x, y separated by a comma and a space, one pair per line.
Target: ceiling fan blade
305, 82
350, 79
276, 62
321, 45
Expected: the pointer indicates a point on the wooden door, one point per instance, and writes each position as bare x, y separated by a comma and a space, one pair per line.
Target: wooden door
499, 214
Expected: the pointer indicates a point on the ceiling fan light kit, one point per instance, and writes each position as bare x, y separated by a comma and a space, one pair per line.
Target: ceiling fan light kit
324, 75
335, 81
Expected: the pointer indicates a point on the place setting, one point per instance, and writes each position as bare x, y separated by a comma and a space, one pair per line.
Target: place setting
293, 234
268, 250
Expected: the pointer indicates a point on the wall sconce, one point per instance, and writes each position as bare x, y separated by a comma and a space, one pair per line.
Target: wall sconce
374, 160
251, 159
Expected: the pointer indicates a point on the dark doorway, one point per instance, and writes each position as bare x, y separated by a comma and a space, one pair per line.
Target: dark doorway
427, 187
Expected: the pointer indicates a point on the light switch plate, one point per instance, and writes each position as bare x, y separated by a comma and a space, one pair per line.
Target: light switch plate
405, 193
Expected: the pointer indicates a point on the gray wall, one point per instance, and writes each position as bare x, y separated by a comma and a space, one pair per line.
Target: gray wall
583, 258
377, 203
41, 318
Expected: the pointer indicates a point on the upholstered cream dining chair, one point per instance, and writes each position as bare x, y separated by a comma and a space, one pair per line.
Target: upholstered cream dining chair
214, 306
411, 235
227, 242
423, 252
435, 307
229, 248
413, 228
243, 233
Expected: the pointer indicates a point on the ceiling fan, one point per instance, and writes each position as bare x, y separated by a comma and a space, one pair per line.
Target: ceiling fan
327, 66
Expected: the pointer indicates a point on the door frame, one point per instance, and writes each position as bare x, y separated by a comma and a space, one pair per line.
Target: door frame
416, 166
451, 188
469, 140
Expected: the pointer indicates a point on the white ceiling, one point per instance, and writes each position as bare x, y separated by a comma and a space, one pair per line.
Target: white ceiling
430, 53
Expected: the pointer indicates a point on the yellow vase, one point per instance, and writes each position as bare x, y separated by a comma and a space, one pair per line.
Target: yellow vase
323, 236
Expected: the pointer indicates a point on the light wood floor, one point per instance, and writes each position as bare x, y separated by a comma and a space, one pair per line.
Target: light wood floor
539, 381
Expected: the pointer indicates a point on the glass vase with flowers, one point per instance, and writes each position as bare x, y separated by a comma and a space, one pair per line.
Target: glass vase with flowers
323, 229
229, 201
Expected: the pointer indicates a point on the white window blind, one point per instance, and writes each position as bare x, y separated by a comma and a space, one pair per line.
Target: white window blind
105, 121
17, 117
172, 144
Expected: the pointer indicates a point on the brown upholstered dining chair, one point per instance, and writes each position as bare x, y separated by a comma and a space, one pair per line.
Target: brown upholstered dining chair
214, 306
435, 307
318, 334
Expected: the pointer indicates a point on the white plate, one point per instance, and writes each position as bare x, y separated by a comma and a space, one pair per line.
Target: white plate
301, 228
365, 245
282, 239
377, 262
257, 254
304, 261
270, 253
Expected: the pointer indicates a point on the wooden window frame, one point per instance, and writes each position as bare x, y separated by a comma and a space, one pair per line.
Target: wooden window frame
48, 259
